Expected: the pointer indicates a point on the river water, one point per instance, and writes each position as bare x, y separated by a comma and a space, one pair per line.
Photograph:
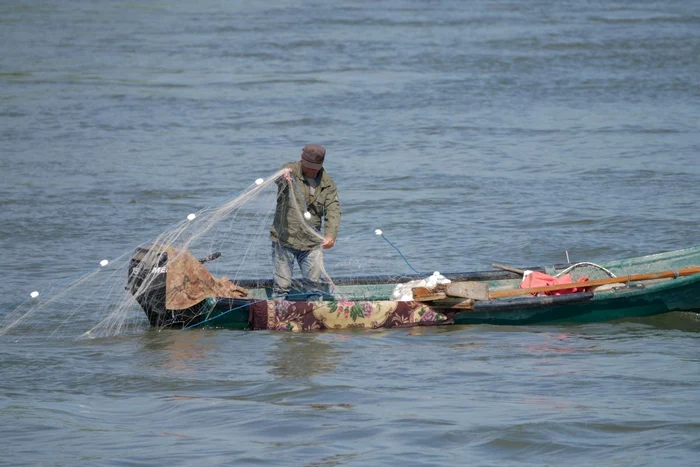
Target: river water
469, 132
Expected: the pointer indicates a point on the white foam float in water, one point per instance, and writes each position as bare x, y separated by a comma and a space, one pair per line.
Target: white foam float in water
192, 217
259, 181
104, 263
34, 294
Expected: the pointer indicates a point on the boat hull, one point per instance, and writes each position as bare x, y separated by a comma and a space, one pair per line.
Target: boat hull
609, 306
369, 307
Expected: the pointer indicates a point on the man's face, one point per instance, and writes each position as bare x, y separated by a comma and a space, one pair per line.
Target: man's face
311, 173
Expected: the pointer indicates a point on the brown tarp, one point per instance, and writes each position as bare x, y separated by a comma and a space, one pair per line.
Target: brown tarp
188, 282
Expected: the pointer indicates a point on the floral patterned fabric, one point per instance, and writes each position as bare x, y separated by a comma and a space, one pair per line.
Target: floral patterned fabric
315, 316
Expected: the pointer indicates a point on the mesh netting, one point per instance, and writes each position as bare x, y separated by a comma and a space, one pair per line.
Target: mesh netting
591, 271
232, 243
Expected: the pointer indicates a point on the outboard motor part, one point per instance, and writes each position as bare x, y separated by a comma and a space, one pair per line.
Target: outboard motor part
148, 271
174, 289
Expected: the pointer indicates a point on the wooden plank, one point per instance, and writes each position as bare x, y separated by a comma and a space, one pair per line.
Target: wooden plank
594, 283
431, 297
420, 292
457, 303
474, 290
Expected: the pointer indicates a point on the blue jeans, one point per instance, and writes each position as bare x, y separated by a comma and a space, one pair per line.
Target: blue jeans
311, 263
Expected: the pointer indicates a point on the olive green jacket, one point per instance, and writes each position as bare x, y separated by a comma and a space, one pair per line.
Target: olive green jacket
287, 228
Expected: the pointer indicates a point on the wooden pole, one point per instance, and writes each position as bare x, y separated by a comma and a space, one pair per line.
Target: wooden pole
508, 268
613, 280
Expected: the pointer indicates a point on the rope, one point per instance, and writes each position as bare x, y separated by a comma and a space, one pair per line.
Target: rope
571, 268
402, 256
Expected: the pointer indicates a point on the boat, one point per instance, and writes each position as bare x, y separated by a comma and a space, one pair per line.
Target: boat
175, 290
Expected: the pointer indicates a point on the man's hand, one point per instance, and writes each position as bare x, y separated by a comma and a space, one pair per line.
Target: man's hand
287, 174
328, 242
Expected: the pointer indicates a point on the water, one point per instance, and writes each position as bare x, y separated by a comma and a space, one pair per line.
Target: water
470, 133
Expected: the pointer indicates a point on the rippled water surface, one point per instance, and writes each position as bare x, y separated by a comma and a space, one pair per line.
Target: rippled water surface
469, 132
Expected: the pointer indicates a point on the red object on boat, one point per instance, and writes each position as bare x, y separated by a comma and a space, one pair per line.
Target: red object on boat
540, 279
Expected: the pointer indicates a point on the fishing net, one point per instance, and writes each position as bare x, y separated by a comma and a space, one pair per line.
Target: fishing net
221, 251
586, 270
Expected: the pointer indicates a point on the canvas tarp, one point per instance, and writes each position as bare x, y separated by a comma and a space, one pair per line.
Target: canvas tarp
188, 282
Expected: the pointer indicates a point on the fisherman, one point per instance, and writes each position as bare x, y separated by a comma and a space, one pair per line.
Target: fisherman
296, 229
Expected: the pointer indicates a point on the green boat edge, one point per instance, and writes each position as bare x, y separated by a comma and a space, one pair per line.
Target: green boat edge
656, 297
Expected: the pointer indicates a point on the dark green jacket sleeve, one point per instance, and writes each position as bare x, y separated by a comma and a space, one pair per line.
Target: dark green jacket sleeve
332, 213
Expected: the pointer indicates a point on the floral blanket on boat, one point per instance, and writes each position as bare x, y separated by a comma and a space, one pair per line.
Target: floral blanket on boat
319, 315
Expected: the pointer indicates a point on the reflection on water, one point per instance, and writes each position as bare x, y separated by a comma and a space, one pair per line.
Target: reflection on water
685, 321
305, 355
182, 352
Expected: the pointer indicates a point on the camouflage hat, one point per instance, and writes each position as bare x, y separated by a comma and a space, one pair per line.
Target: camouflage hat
312, 156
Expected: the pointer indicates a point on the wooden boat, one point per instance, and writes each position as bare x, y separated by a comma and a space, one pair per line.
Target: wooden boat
641, 286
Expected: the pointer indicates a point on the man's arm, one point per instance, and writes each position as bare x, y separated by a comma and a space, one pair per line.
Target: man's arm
331, 218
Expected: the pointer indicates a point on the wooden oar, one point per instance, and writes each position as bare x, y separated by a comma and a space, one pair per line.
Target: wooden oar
508, 268
613, 280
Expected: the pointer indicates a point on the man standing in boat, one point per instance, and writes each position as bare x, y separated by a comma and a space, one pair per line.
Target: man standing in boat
307, 197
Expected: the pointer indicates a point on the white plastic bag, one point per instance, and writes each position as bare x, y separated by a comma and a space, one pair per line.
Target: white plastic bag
404, 292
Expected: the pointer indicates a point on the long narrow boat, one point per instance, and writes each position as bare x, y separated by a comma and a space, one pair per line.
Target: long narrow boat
175, 290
